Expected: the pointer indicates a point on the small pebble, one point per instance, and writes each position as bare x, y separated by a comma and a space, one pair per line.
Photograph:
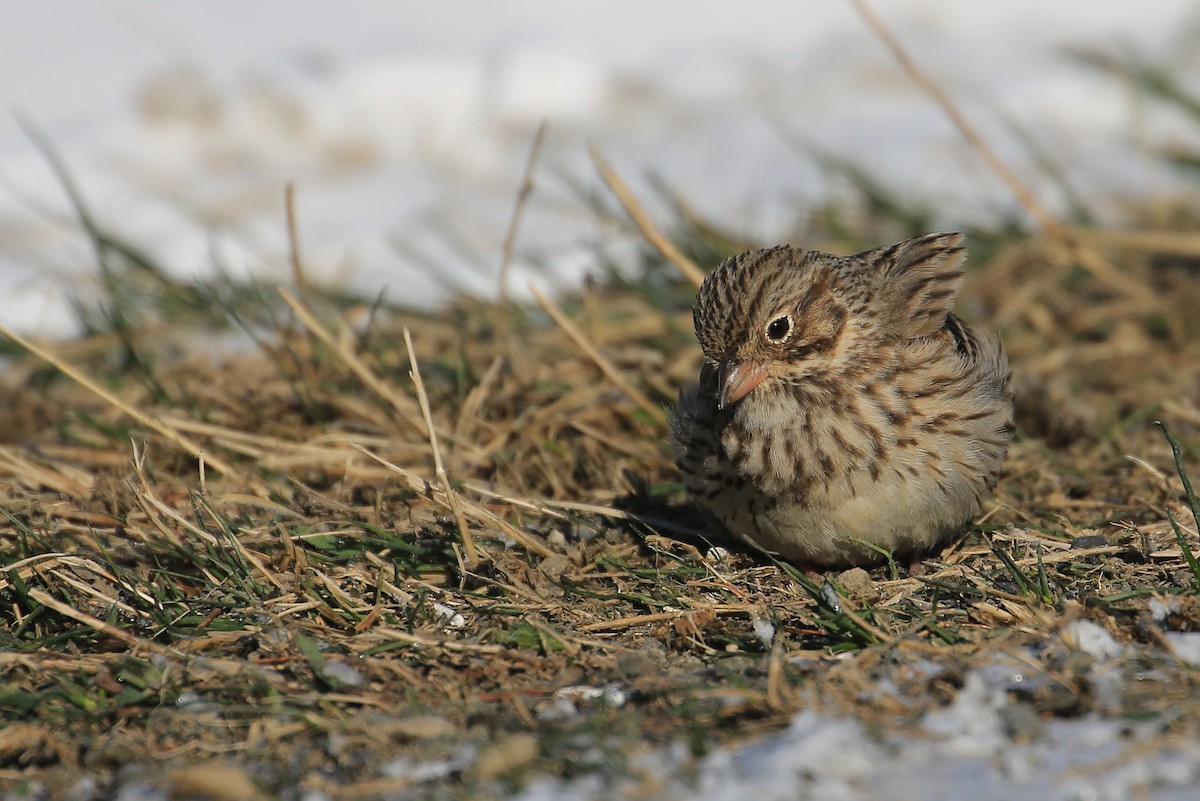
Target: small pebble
1088, 541
507, 754
214, 782
856, 583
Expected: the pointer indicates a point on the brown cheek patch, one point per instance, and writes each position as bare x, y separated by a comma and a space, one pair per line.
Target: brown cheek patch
820, 335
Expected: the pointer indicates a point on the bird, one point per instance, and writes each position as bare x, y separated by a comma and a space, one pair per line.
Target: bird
843, 415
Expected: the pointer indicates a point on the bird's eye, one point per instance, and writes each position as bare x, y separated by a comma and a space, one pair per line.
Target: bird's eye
779, 328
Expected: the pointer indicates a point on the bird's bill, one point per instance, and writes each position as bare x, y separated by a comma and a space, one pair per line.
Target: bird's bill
736, 379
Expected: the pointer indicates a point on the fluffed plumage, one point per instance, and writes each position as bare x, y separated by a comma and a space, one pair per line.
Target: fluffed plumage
841, 404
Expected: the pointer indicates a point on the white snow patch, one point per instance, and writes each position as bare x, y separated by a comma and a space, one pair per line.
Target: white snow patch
764, 629
406, 131
1086, 636
449, 616
1160, 608
959, 751
1185, 645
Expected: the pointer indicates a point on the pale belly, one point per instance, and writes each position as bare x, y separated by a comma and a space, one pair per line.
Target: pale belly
900, 514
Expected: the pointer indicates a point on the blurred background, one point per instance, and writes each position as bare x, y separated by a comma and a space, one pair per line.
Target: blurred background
405, 128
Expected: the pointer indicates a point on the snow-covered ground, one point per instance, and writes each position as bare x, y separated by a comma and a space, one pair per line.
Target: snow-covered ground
405, 126
985, 745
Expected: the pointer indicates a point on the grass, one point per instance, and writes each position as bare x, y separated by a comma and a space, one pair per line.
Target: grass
456, 539
294, 613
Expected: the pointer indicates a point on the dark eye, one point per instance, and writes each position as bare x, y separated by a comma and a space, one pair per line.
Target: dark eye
779, 328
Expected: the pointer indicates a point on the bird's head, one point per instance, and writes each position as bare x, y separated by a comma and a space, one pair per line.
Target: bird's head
784, 316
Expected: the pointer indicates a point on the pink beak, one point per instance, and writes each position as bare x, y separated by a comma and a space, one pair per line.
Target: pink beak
736, 379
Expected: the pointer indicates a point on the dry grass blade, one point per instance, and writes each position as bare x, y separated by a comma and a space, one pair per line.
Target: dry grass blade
1023, 193
403, 405
634, 209
109, 630
299, 278
1099, 266
599, 359
439, 468
159, 513
469, 413
44, 563
547, 506
426, 642
36, 475
510, 239
1166, 243
663, 617
438, 495
155, 424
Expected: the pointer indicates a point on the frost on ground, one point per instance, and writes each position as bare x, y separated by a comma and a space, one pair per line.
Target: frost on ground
984, 743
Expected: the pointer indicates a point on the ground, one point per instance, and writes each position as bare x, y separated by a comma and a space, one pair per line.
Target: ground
314, 606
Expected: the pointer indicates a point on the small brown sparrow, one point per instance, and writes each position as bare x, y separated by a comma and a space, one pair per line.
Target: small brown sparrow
842, 410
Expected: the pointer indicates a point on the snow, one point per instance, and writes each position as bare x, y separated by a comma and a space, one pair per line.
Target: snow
963, 748
1185, 645
405, 127
1093, 640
